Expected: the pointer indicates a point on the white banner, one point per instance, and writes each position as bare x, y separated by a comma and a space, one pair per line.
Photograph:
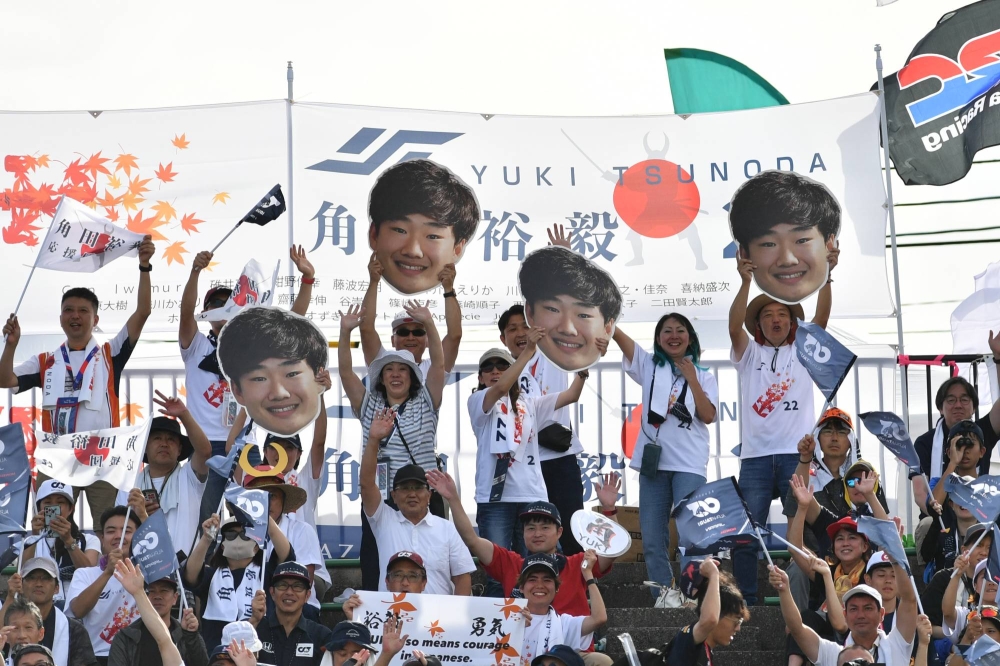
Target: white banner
468, 630
253, 288
81, 241
645, 197
81, 458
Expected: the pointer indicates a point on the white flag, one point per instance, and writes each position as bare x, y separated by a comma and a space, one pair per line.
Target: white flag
81, 458
977, 315
81, 241
253, 288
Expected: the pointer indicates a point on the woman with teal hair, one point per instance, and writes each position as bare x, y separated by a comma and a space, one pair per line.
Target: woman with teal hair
679, 400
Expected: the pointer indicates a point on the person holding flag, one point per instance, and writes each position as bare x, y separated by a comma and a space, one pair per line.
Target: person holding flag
80, 380
940, 547
974, 550
211, 400
955, 611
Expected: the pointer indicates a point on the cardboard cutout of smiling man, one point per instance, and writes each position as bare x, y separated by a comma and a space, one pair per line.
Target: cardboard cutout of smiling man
786, 225
422, 216
576, 303
270, 357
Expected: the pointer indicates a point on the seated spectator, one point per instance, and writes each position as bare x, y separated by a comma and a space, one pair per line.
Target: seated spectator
31, 654
966, 451
288, 637
933, 596
559, 655
538, 583
60, 540
230, 586
864, 612
135, 644
412, 526
241, 633
130, 578
507, 421
232, 655
96, 596
940, 547
66, 637
721, 612
954, 610
404, 573
542, 529
350, 640
167, 483
880, 575
22, 623
285, 499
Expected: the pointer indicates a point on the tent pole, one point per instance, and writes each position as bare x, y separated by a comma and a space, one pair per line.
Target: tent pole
290, 202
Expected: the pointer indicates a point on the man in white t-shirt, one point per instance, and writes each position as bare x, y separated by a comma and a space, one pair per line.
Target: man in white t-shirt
96, 598
79, 381
558, 444
167, 483
209, 397
776, 402
864, 612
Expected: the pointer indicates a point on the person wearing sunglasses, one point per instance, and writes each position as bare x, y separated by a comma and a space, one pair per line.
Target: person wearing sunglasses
679, 400
506, 421
229, 585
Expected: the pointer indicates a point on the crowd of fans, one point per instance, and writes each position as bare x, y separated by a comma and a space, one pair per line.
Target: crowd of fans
78, 600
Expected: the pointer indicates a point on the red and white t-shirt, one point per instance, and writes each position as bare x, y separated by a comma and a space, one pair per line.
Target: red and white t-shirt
207, 392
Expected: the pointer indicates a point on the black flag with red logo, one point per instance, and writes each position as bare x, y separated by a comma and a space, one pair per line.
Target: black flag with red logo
267, 209
943, 106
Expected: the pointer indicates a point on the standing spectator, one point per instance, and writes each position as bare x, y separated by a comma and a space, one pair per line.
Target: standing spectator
135, 643
131, 580
679, 400
288, 637
507, 426
776, 402
82, 377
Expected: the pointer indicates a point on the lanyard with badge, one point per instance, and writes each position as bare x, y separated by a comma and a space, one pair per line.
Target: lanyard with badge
68, 407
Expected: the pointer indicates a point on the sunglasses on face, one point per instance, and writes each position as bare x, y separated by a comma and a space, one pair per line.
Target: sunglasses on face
232, 534
215, 303
490, 366
411, 487
852, 482
415, 332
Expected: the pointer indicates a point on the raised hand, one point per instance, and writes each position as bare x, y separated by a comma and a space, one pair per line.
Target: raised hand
447, 277
420, 313
137, 501
866, 484
189, 621
240, 654
819, 565
298, 256
12, 330
382, 424
258, 606
146, 250
777, 578
608, 489
351, 320
602, 345
323, 379
745, 267
172, 406
589, 561
201, 261
558, 236
708, 568
924, 629
802, 491
687, 369
443, 484
374, 269
392, 640
129, 576
807, 447
534, 336
353, 602
833, 253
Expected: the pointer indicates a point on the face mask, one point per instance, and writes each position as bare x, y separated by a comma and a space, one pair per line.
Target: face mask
238, 549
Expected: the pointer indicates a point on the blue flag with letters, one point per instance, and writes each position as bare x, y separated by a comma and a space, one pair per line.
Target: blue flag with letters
891, 431
250, 507
712, 518
15, 480
153, 549
886, 535
825, 359
981, 495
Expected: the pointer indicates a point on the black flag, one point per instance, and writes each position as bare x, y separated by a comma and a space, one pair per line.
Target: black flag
267, 209
712, 518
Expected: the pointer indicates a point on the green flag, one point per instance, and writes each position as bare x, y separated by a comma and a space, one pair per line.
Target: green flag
703, 81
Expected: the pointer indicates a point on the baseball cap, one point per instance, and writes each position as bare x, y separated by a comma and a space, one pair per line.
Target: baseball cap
834, 414
966, 427
52, 487
541, 560
545, 509
403, 318
40, 564
409, 472
845, 523
406, 555
863, 589
294, 440
350, 632
218, 651
291, 570
241, 631
169, 580
973, 532
878, 559
216, 290
496, 352
563, 653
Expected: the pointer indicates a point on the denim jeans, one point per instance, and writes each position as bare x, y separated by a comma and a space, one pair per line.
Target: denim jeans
564, 484
499, 523
657, 497
214, 488
761, 480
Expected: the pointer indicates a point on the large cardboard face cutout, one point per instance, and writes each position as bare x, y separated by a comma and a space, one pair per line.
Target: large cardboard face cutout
422, 217
576, 303
787, 226
270, 357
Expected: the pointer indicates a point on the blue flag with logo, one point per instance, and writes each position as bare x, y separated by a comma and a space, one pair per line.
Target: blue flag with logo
891, 431
984, 652
15, 480
981, 495
712, 518
886, 535
825, 359
153, 549
250, 507
225, 465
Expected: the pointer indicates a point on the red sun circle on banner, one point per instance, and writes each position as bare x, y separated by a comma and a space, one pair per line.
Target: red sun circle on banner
630, 431
652, 199
92, 448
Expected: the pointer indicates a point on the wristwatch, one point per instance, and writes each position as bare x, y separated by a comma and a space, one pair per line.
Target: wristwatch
592, 581
450, 294
70, 547
145, 269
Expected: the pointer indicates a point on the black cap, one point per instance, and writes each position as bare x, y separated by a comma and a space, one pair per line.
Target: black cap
562, 653
973, 532
218, 651
350, 632
546, 509
170, 425
293, 440
541, 560
967, 426
409, 472
291, 570
429, 659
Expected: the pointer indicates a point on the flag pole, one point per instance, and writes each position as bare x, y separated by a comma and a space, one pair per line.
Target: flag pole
290, 203
920, 606
35, 264
791, 546
180, 587
135, 481
217, 245
981, 535
982, 591
930, 495
756, 531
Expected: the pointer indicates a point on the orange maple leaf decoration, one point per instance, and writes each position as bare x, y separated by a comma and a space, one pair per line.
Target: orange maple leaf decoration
147, 226
435, 629
503, 648
189, 223
126, 163
173, 253
221, 198
399, 604
182, 391
108, 200
180, 142
131, 411
164, 210
508, 607
166, 174
95, 165
42, 161
211, 265
114, 182
111, 214
131, 201
138, 186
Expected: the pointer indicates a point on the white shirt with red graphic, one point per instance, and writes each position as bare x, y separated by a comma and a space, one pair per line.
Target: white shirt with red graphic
206, 391
115, 609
